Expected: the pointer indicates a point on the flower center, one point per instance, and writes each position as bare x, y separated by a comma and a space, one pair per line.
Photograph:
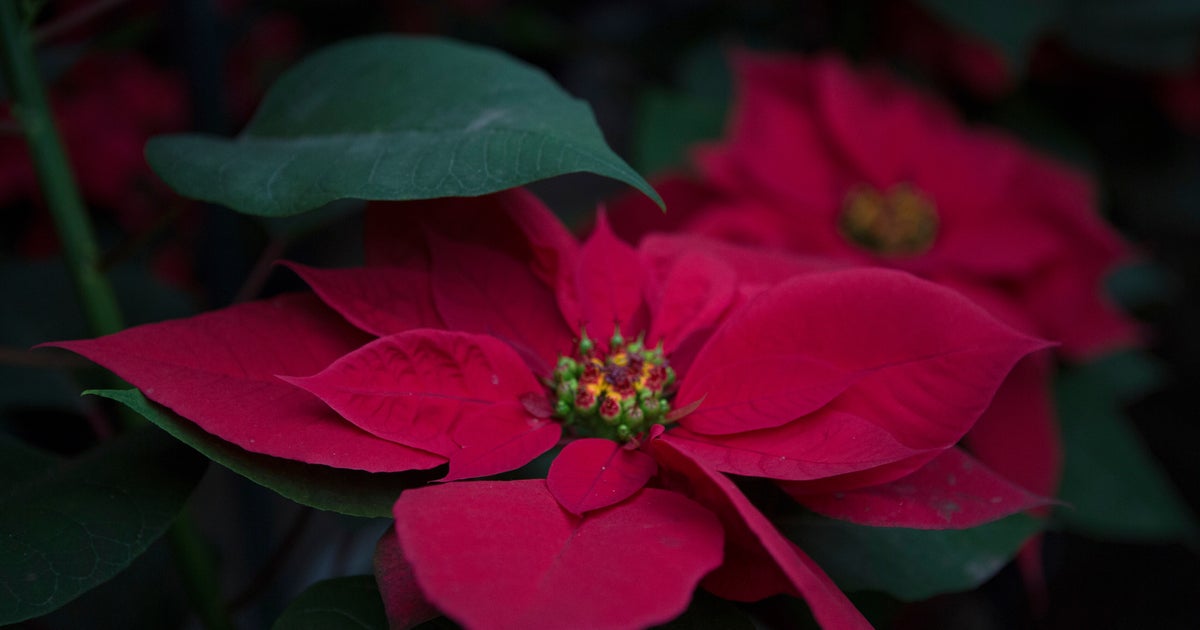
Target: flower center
902, 222
618, 394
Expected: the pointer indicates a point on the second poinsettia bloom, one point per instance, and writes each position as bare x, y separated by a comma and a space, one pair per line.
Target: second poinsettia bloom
825, 159
483, 335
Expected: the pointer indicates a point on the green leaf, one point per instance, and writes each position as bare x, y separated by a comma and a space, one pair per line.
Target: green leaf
1112, 485
393, 117
1013, 27
77, 525
668, 123
909, 564
352, 492
21, 463
347, 603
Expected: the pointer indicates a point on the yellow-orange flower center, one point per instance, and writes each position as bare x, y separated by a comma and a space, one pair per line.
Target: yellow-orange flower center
618, 394
900, 222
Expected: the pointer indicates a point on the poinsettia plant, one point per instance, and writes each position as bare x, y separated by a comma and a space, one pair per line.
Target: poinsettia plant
849, 387
817, 386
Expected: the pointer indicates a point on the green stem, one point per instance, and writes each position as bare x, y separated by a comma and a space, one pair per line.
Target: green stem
30, 109
82, 254
194, 560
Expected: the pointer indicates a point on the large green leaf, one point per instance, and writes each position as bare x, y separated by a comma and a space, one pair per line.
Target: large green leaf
1112, 485
347, 603
352, 492
393, 117
909, 564
21, 463
75, 526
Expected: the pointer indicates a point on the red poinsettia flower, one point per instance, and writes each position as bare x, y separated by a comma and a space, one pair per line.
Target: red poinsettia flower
825, 160
482, 335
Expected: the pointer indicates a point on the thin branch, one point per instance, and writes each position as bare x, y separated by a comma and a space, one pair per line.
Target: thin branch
262, 269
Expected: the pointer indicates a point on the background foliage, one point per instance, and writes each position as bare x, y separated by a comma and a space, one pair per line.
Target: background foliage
1111, 86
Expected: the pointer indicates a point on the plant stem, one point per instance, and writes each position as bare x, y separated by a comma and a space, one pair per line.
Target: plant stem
32, 111
194, 560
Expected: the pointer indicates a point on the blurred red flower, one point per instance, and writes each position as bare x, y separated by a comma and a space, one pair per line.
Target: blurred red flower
822, 159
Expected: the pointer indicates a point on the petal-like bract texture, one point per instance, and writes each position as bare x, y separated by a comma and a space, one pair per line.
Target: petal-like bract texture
954, 491
406, 607
379, 300
608, 286
413, 388
825, 444
490, 444
922, 361
483, 290
219, 370
759, 561
1017, 436
593, 473
513, 221
506, 555
696, 292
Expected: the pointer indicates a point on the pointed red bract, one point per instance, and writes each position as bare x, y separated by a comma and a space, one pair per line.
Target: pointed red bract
755, 267
379, 300
1017, 436
482, 290
414, 387
760, 391
608, 287
490, 444
954, 491
513, 221
759, 561
806, 132
820, 445
696, 293
219, 370
592, 473
403, 602
506, 555
896, 336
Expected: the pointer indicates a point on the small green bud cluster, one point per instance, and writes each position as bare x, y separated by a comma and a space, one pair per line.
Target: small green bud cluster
616, 395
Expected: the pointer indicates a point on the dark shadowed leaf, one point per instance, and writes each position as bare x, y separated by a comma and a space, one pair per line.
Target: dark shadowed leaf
21, 463
393, 117
909, 564
352, 492
707, 612
1112, 485
1145, 35
74, 526
1012, 27
347, 603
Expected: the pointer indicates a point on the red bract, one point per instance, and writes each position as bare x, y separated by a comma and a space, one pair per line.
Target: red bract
826, 160
499, 337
